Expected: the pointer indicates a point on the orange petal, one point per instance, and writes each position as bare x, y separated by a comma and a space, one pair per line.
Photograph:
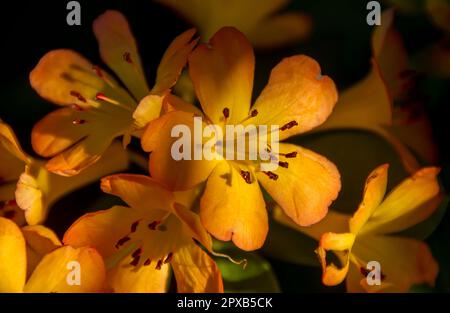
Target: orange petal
53, 272
173, 62
175, 174
232, 209
119, 51
306, 188
195, 271
9, 141
296, 91
13, 259
222, 73
374, 191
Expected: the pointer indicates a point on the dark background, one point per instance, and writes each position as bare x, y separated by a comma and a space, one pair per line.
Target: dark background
340, 42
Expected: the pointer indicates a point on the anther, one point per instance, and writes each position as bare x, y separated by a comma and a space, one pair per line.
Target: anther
137, 253
127, 57
159, 265
254, 112
134, 226
77, 95
147, 262
135, 261
290, 155
271, 175
121, 242
78, 121
153, 225
226, 112
283, 164
168, 258
289, 125
246, 176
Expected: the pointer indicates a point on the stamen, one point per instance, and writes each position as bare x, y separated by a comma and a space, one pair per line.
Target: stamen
283, 164
102, 97
254, 112
271, 175
77, 95
289, 155
246, 176
168, 258
147, 262
122, 241
153, 225
226, 112
127, 57
289, 125
159, 265
134, 226
78, 121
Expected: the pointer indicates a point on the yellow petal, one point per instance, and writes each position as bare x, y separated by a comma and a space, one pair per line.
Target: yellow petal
195, 271
101, 229
125, 278
138, 191
374, 191
147, 110
279, 30
40, 241
175, 174
173, 62
404, 262
9, 141
232, 209
222, 72
306, 188
331, 274
13, 262
53, 273
64, 77
119, 51
405, 205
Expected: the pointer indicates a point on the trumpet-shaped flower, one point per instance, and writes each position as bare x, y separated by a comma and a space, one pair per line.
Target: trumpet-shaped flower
28, 190
257, 19
384, 103
369, 235
141, 242
32, 259
96, 109
296, 99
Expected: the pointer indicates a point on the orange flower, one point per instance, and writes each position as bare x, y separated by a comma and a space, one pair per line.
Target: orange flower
369, 235
96, 109
297, 98
32, 259
141, 241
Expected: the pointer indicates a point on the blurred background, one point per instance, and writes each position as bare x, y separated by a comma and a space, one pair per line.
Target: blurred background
339, 41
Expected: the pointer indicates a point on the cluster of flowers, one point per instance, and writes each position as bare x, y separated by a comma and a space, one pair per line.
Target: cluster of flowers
132, 248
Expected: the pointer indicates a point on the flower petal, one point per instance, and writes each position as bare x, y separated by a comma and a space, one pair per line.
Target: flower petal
404, 262
374, 191
13, 260
405, 206
9, 141
53, 272
119, 51
222, 72
296, 91
306, 188
195, 271
232, 209
175, 174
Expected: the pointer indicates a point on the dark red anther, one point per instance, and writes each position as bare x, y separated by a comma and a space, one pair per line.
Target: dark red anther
283, 164
147, 262
77, 95
135, 261
97, 71
254, 112
226, 112
168, 258
246, 176
159, 265
289, 125
137, 253
271, 175
127, 57
122, 241
153, 225
134, 226
291, 155
78, 121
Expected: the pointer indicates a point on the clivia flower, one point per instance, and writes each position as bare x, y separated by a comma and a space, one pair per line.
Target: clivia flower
296, 99
371, 234
141, 242
96, 109
32, 259
28, 190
